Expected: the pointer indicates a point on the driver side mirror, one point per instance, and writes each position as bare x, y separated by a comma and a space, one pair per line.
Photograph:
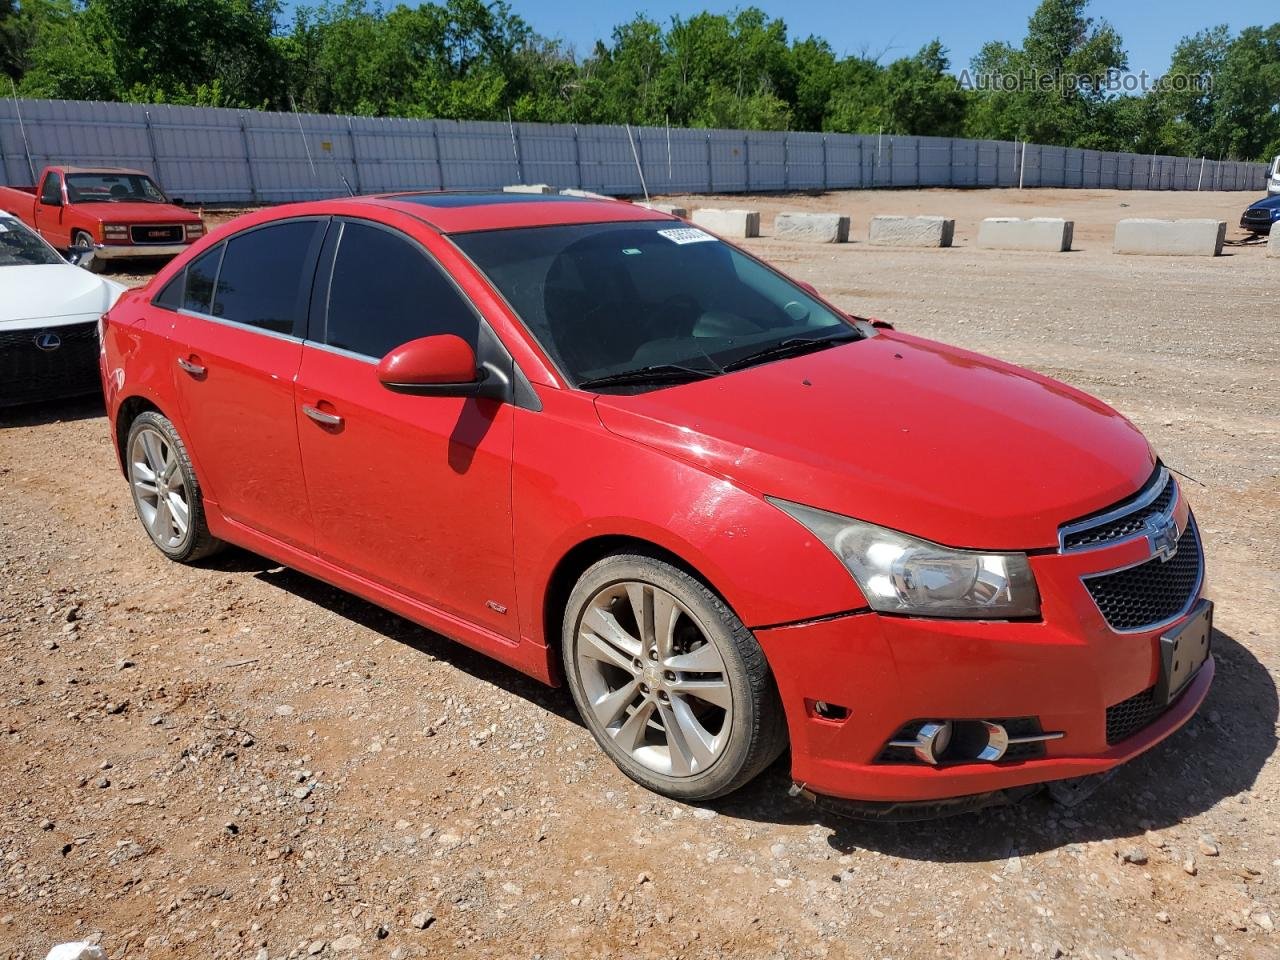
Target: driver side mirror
443, 365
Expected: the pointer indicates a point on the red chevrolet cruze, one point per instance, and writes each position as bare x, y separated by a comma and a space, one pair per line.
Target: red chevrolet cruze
614, 451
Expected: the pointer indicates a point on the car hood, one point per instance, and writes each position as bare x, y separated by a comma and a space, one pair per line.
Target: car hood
128, 213
905, 433
1266, 203
32, 295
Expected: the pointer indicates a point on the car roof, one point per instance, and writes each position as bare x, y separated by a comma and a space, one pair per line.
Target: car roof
454, 212
128, 170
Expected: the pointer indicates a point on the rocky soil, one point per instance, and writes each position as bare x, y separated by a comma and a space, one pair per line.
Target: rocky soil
233, 760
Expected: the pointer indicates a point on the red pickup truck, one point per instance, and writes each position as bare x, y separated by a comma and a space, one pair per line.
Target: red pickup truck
107, 211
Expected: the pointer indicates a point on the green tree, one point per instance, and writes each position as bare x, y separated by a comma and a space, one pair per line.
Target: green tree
1222, 94
1051, 89
66, 60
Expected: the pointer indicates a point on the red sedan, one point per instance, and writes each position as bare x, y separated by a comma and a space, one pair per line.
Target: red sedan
616, 452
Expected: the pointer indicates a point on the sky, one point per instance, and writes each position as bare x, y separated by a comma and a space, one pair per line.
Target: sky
896, 29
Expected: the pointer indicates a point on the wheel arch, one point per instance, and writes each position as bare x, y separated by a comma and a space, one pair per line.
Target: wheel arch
579, 558
128, 411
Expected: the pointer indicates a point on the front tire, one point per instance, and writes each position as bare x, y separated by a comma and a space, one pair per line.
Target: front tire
166, 493
669, 681
82, 246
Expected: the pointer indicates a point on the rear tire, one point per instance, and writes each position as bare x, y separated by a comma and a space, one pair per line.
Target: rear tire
669, 681
166, 493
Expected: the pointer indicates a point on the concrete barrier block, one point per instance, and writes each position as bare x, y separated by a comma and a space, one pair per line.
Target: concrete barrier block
584, 194
729, 223
671, 208
1050, 234
528, 188
812, 227
895, 231
1173, 238
1273, 242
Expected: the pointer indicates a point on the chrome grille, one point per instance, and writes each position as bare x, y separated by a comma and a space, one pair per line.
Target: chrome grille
1125, 519
1153, 592
156, 233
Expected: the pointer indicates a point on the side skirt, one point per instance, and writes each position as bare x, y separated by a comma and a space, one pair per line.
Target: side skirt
525, 655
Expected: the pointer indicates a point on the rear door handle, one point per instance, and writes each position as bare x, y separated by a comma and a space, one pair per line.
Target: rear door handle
195, 369
322, 418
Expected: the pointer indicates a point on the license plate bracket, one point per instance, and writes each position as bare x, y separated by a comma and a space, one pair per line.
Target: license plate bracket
1183, 651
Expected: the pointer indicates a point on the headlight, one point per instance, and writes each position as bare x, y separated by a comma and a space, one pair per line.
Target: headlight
902, 574
115, 231
195, 230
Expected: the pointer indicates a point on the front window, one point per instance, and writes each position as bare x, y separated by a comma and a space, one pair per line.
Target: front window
113, 188
614, 303
19, 247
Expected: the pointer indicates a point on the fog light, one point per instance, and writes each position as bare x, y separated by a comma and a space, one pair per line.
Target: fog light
997, 742
966, 741
931, 742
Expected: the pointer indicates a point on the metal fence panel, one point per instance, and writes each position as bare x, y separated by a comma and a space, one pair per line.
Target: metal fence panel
219, 155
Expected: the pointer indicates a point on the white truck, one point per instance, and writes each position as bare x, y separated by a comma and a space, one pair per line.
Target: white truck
1273, 177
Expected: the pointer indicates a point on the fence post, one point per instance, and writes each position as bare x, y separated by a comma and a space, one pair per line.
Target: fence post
711, 180
951, 161
746, 158
824, 162
435, 142
248, 161
355, 160
151, 139
786, 161
917, 161
577, 159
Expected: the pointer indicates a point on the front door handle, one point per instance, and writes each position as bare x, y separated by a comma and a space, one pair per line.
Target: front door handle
195, 369
322, 418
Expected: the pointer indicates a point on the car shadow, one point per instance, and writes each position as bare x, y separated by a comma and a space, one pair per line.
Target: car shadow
397, 628
53, 411
1216, 756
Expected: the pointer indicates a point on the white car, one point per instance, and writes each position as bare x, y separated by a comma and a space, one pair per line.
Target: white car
49, 312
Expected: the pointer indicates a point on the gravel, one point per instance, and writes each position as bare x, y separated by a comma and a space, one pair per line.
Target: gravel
489, 824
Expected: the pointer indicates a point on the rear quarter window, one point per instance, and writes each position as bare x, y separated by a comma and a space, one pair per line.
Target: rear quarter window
201, 275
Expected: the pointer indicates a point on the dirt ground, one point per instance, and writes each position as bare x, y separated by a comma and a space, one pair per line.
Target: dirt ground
236, 761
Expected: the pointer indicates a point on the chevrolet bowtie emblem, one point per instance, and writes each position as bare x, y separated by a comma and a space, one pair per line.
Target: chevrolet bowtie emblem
1162, 536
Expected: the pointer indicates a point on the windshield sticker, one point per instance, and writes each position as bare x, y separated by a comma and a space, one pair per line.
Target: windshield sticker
683, 235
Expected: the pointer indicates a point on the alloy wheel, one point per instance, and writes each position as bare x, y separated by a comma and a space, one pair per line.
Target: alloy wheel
159, 488
654, 679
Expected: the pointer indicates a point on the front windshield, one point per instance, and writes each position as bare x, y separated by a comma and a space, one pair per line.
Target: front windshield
19, 247
112, 188
609, 298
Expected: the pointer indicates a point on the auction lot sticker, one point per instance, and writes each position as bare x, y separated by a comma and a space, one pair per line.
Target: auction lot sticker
683, 235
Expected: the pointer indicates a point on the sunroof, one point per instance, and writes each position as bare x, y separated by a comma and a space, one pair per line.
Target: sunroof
476, 199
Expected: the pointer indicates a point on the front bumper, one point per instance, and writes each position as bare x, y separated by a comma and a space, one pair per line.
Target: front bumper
31, 373
1066, 669
122, 251
1256, 226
